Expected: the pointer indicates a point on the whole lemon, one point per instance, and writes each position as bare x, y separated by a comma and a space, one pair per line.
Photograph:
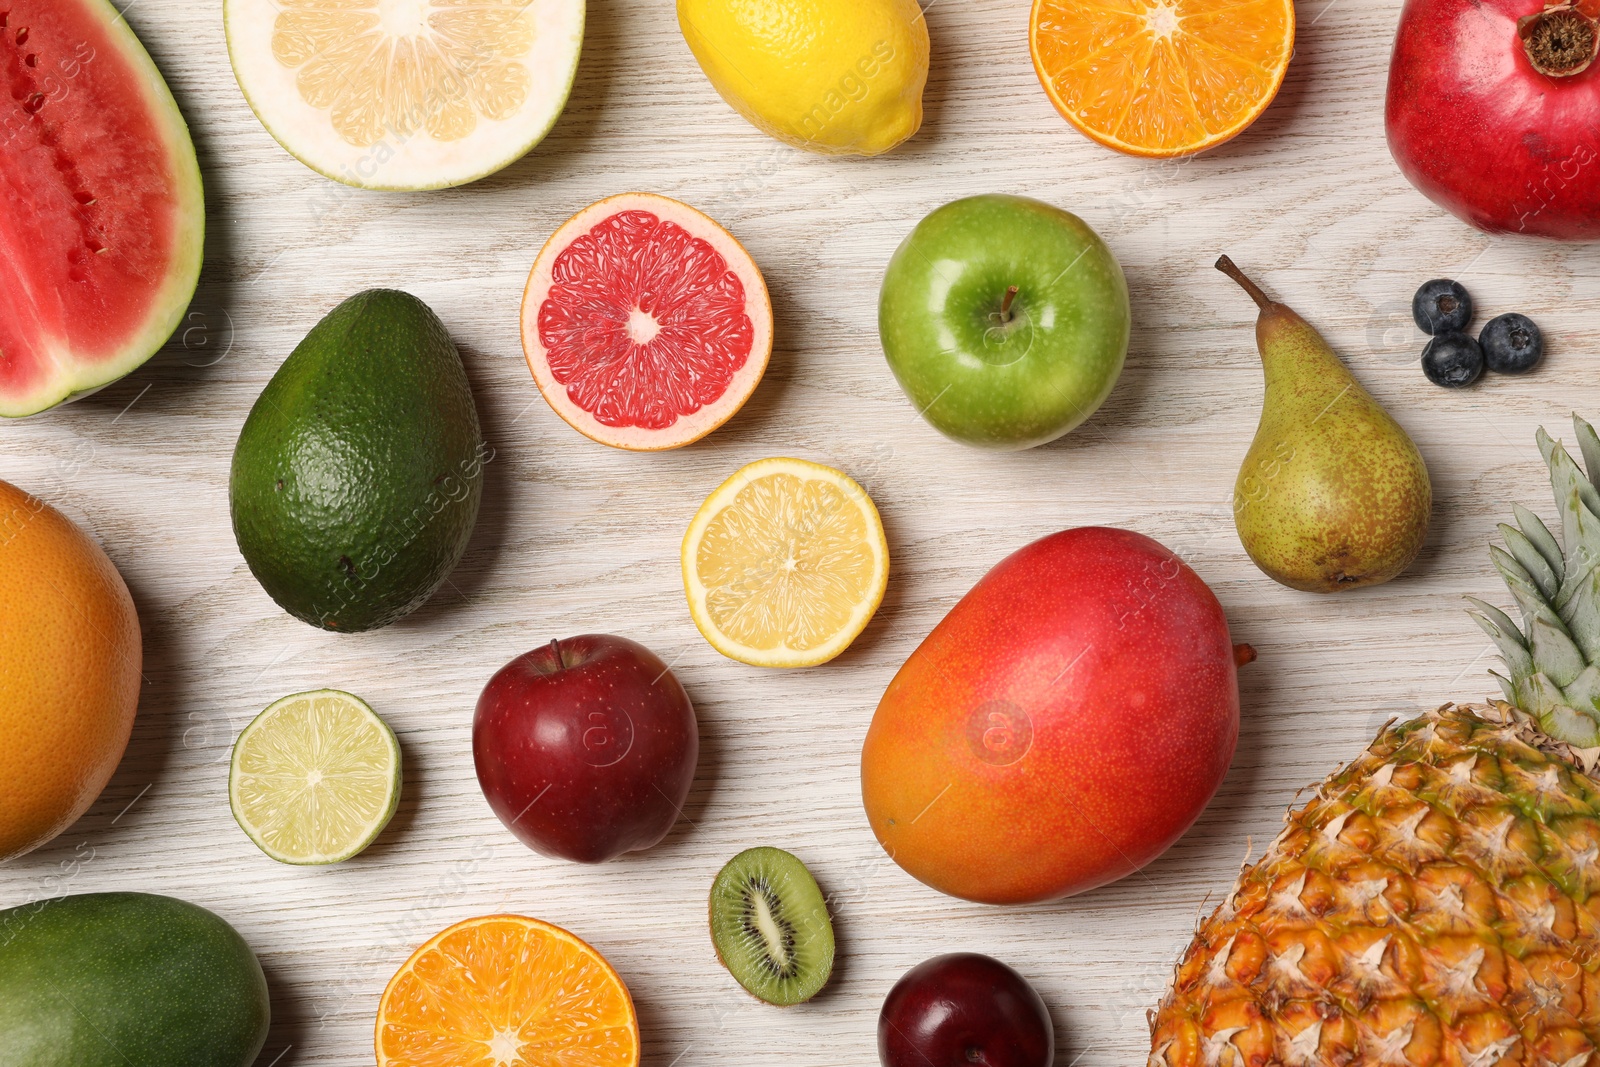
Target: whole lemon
70, 660
841, 77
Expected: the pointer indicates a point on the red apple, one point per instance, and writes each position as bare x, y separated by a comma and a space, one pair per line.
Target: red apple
964, 1009
585, 748
1062, 726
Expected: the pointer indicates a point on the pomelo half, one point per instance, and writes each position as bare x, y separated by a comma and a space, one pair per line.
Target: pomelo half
102, 216
405, 94
646, 324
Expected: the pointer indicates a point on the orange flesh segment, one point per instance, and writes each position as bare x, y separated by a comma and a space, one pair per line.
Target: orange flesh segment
505, 991
1159, 78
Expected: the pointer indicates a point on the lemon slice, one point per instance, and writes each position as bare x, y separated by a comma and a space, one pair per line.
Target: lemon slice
405, 94
315, 777
785, 563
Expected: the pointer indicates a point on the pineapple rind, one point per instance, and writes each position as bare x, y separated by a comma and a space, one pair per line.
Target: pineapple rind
1437, 902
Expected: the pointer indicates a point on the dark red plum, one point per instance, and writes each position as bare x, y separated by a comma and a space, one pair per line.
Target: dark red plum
964, 1009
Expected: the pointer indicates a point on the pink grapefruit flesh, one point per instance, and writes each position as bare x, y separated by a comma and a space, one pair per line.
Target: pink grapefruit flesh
646, 324
101, 210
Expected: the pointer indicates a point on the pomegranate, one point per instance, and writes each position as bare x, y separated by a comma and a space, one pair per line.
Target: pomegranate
1494, 112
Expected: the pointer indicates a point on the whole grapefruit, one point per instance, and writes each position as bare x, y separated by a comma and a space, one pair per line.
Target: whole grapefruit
1062, 726
70, 657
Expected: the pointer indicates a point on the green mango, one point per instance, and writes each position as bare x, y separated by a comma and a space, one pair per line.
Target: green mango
127, 980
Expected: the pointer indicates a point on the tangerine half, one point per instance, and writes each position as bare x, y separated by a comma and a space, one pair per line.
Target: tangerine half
506, 991
1161, 78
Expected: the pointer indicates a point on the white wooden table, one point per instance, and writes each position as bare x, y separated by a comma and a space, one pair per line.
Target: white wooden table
575, 537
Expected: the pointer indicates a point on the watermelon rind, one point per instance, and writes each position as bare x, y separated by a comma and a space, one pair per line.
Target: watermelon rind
397, 163
170, 301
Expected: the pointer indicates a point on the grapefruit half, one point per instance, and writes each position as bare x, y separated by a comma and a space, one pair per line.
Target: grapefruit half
646, 324
102, 216
405, 94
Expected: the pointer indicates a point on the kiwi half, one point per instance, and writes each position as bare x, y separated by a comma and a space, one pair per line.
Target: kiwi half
770, 925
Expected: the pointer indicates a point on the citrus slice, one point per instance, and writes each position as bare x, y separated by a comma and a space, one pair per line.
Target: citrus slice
646, 325
405, 94
506, 991
315, 777
1161, 77
785, 564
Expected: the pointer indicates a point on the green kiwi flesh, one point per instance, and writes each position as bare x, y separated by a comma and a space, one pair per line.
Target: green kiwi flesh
770, 925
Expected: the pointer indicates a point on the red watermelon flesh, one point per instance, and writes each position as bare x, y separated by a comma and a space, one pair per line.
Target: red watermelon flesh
101, 210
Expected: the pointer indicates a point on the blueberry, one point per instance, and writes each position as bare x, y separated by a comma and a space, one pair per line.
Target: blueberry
1511, 344
1441, 306
1452, 360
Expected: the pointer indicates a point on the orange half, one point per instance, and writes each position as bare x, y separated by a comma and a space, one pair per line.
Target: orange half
506, 991
1161, 78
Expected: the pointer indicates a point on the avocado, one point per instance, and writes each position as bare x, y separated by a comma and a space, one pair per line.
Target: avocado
127, 980
357, 476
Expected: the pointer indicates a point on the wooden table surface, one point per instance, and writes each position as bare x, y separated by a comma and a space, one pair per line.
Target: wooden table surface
575, 537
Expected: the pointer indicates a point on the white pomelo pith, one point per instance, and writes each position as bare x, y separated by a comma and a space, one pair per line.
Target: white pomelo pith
646, 325
102, 215
406, 94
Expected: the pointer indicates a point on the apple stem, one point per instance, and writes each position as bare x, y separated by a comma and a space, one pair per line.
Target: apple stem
1005, 305
1243, 654
555, 653
1225, 265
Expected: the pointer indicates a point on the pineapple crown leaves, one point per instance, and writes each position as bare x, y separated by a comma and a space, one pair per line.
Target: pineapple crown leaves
1553, 658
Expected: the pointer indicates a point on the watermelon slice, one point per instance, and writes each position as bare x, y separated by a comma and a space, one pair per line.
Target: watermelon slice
101, 210
646, 325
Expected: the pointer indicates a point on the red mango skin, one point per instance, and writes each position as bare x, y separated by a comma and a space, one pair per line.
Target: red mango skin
1484, 135
586, 747
1064, 724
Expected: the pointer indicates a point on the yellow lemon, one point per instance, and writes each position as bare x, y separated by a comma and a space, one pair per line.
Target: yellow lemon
841, 77
785, 564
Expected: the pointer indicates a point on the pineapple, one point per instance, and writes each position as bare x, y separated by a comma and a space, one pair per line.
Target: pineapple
1438, 900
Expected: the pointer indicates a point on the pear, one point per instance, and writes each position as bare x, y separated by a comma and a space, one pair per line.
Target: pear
1332, 494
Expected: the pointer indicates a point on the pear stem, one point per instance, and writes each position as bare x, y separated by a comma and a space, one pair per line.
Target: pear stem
1225, 265
1005, 305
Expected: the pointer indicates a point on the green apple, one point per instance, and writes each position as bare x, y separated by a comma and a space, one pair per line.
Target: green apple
1005, 320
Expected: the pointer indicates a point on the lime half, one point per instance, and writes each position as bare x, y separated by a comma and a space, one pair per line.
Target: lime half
315, 778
